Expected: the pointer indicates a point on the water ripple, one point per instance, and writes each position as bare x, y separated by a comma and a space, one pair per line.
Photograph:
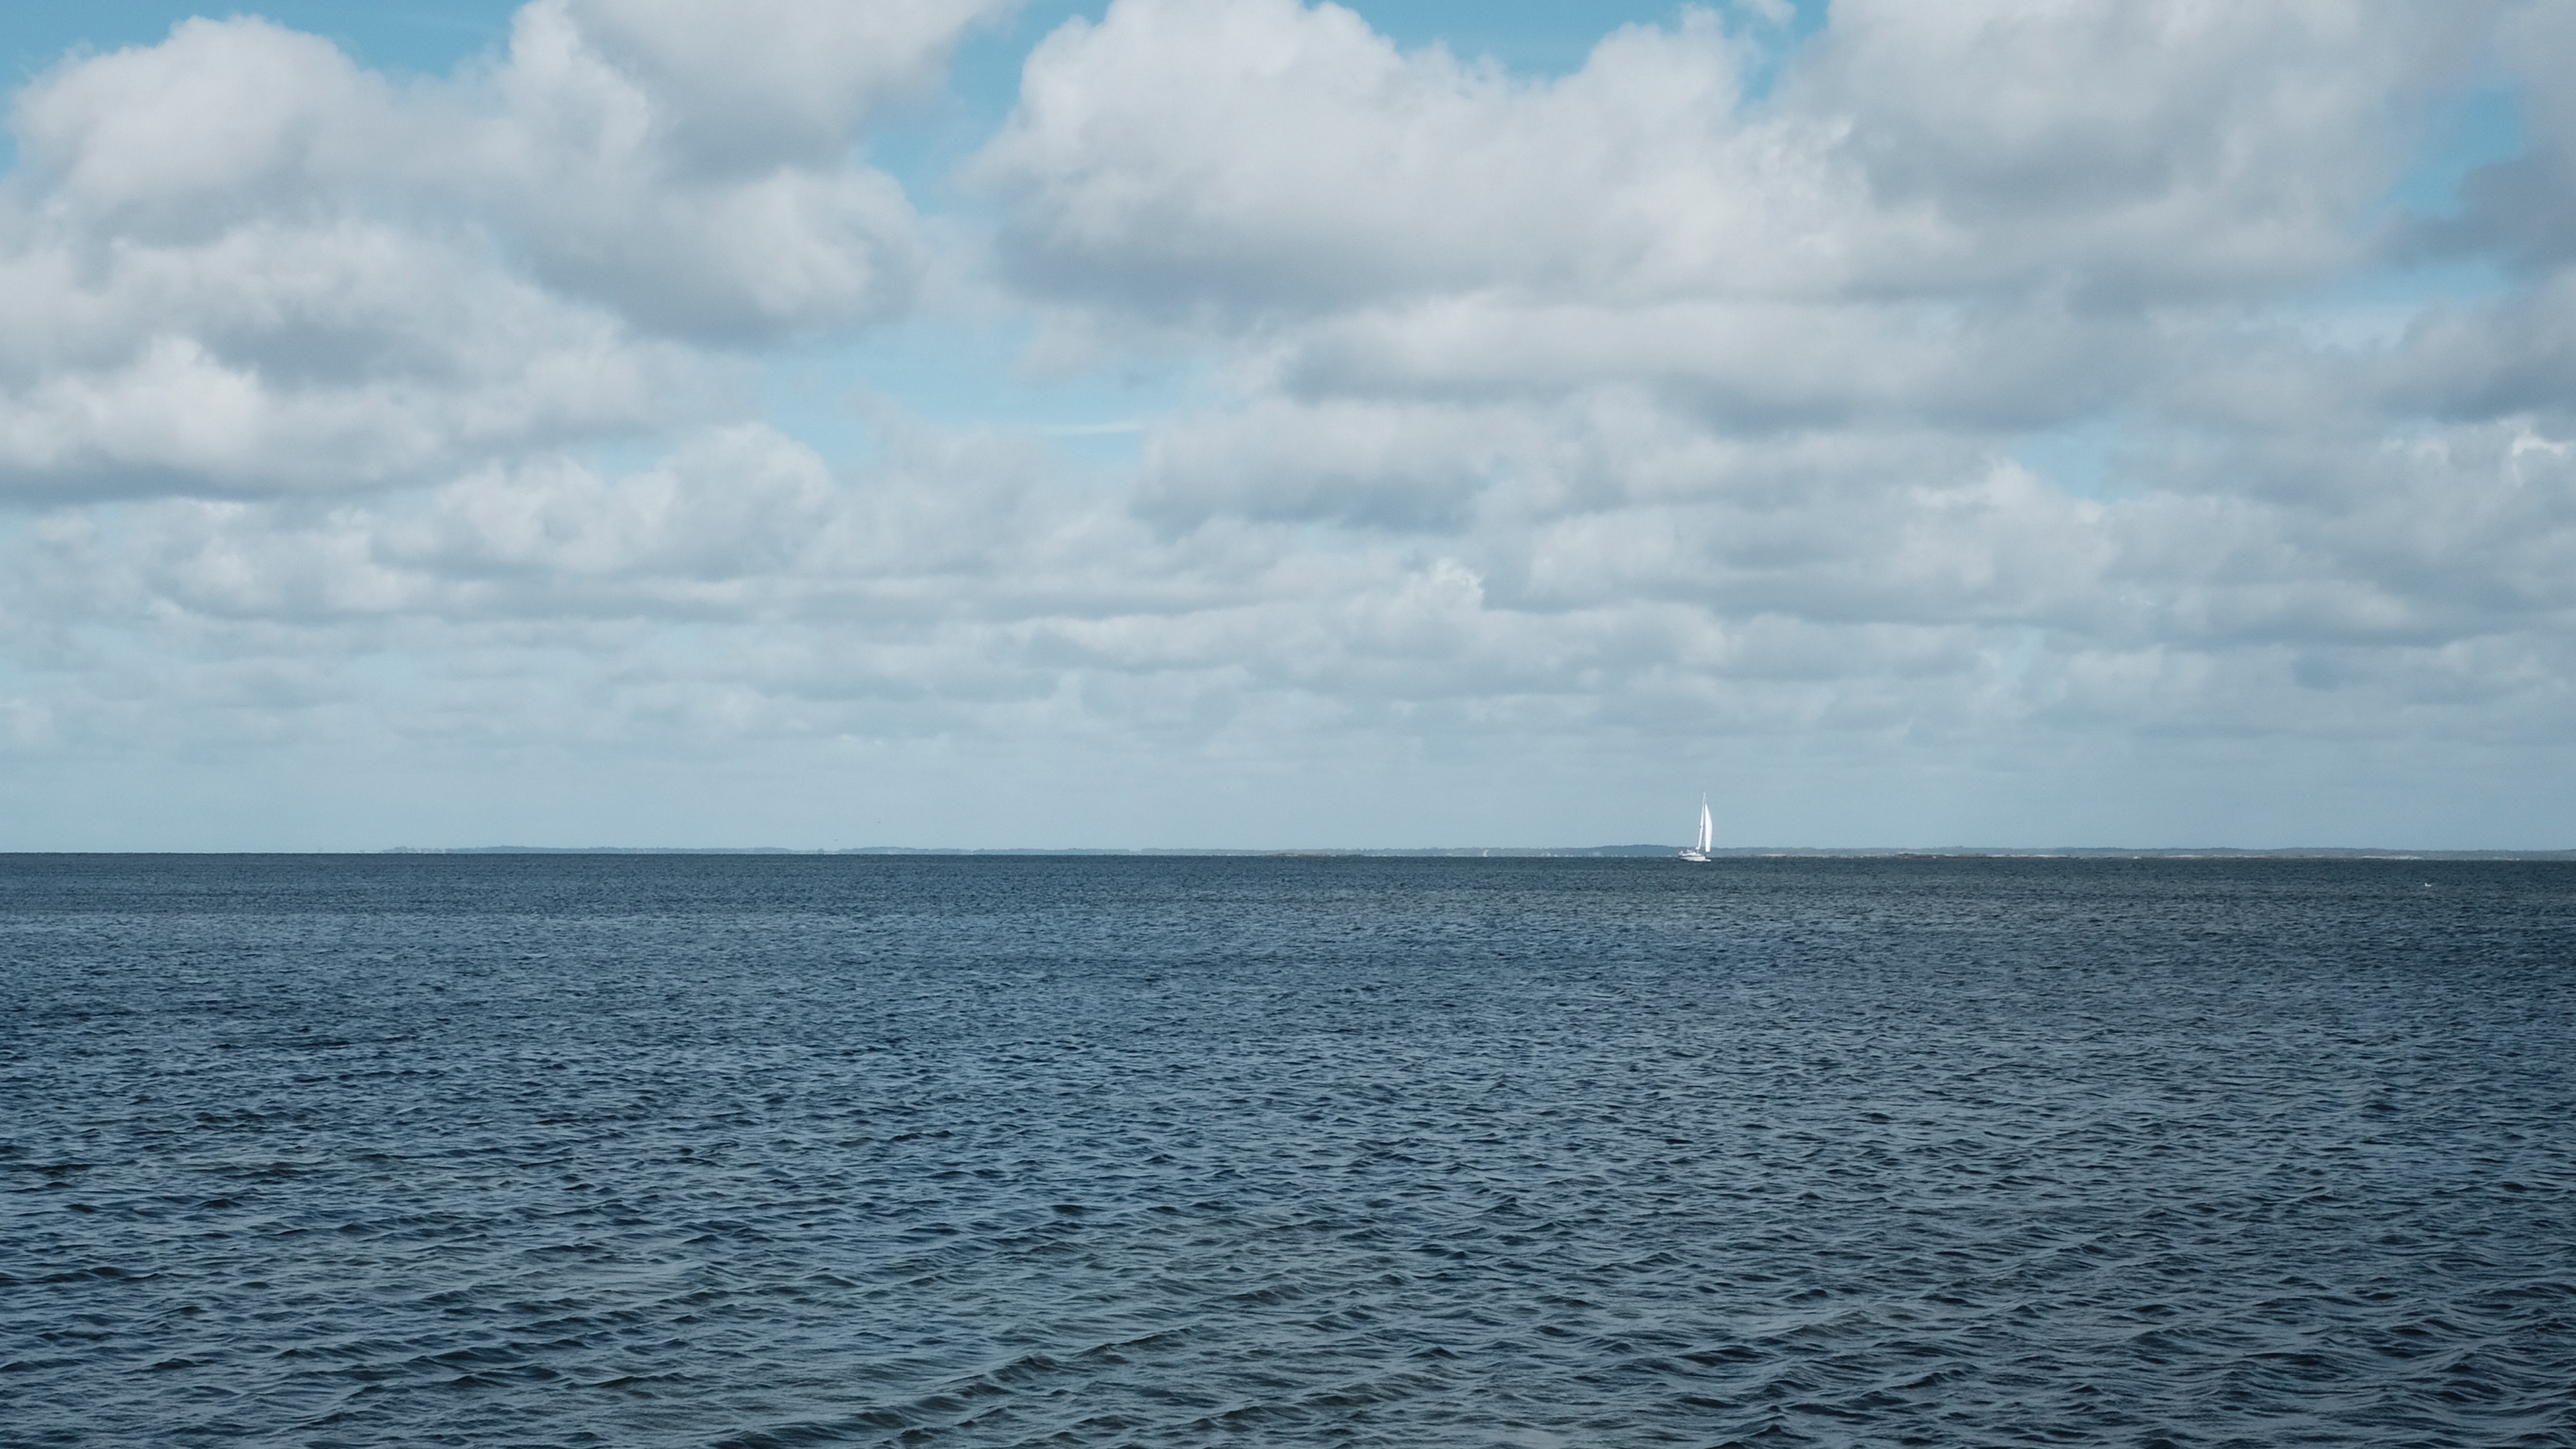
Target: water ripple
756, 1152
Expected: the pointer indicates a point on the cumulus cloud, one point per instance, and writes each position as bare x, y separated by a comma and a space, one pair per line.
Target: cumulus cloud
278, 357
1632, 342
2523, 209
235, 262
2164, 150
1262, 156
956, 567
1248, 159
691, 165
1432, 280
1970, 392
2514, 353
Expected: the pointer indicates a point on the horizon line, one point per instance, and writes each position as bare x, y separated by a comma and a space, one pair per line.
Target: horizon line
1458, 852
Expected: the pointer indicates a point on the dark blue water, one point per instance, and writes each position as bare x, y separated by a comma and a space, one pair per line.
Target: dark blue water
758, 1151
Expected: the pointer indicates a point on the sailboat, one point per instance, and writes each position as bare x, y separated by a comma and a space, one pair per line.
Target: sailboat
1707, 835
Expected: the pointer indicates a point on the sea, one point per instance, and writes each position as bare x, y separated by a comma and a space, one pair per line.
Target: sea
999, 1151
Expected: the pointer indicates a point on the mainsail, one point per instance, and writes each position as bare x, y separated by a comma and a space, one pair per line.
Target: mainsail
1707, 828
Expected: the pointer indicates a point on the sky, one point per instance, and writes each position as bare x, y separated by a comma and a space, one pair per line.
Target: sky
1243, 423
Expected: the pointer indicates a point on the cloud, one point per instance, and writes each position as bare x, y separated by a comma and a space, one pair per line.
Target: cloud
1258, 158
691, 166
236, 263
952, 571
2156, 151
1427, 277
296, 358
741, 87
2513, 353
1632, 345
2523, 209
1261, 158
1971, 396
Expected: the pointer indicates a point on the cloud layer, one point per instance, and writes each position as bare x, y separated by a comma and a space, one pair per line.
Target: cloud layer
236, 263
1991, 417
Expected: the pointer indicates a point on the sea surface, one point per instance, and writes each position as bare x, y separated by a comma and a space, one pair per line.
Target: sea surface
753, 1151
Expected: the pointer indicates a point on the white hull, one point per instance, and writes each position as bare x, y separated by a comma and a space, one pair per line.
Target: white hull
1695, 855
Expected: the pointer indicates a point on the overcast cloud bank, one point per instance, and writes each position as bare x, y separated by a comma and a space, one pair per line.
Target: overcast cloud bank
2008, 423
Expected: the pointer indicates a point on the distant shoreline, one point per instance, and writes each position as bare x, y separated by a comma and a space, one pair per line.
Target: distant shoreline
1587, 852
1591, 852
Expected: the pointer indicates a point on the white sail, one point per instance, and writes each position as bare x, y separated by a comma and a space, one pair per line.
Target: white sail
1707, 827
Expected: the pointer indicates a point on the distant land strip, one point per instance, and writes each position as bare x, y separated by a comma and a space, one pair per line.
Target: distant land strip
1558, 853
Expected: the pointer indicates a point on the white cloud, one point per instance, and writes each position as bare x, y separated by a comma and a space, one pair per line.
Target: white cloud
1948, 226
236, 263
284, 358
741, 86
1261, 157
2162, 150
1629, 343
223, 123
692, 166
956, 572
1578, 432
